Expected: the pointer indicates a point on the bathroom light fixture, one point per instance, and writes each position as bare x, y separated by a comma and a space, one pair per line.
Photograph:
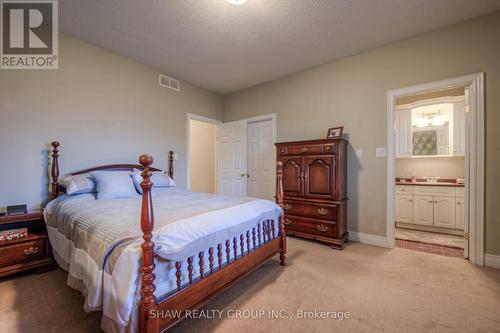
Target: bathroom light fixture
422, 121
438, 120
236, 2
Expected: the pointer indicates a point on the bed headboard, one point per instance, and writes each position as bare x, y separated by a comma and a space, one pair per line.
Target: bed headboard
56, 189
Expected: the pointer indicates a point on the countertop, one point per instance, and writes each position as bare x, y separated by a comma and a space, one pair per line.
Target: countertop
424, 182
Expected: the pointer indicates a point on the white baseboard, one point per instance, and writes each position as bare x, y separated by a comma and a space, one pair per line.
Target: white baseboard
368, 239
491, 260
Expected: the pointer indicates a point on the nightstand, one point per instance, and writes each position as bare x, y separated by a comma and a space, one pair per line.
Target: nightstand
28, 253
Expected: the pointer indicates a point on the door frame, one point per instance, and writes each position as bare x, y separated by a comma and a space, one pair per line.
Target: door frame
474, 157
189, 117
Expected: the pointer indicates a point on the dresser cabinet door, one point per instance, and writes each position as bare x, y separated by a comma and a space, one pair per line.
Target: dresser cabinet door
444, 212
292, 176
319, 177
404, 208
423, 208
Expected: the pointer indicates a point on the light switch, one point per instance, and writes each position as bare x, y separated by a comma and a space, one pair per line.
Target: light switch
359, 152
381, 152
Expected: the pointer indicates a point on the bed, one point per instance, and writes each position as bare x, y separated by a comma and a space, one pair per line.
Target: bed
145, 267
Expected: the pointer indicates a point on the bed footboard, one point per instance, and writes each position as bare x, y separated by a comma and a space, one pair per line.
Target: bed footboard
227, 263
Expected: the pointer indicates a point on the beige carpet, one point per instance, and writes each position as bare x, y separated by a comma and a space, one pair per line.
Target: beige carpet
385, 290
430, 238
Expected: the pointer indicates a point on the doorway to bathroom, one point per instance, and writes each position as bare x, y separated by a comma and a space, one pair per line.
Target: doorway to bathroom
435, 168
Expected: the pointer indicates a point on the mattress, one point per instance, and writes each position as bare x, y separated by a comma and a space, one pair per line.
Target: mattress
98, 243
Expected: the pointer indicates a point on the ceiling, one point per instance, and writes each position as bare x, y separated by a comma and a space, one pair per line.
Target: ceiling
225, 48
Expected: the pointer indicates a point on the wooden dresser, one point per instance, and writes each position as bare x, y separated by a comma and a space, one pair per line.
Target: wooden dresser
314, 188
31, 252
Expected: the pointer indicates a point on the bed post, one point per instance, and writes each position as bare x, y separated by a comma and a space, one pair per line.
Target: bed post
171, 164
279, 201
54, 173
148, 321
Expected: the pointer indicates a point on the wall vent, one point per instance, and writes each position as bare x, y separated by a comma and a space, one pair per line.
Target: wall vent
168, 82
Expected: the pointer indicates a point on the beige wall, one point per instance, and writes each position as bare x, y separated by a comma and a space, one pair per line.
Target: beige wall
444, 167
352, 92
102, 107
202, 140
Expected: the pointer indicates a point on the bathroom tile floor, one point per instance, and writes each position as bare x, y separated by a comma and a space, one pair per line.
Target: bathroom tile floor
430, 248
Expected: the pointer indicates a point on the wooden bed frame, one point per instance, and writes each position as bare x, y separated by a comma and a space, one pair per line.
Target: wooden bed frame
158, 315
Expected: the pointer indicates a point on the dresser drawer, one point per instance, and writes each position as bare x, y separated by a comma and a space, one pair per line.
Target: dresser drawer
317, 149
22, 252
327, 212
309, 226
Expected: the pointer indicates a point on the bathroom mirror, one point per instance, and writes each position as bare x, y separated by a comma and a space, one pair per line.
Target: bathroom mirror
431, 130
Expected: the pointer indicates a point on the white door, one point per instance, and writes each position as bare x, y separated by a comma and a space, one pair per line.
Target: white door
404, 208
444, 212
460, 214
423, 210
232, 158
403, 133
261, 174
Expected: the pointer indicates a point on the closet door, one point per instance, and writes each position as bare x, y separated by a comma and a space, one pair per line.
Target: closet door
319, 177
232, 159
293, 176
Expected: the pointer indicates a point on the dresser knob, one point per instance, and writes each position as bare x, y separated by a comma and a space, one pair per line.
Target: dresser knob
322, 211
30, 251
287, 221
305, 149
322, 228
287, 206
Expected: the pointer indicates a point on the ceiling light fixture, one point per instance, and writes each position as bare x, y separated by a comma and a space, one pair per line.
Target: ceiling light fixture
236, 2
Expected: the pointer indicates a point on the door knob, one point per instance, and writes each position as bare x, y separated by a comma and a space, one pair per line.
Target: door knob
248, 176
242, 175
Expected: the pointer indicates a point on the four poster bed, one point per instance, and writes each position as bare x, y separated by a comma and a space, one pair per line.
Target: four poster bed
155, 271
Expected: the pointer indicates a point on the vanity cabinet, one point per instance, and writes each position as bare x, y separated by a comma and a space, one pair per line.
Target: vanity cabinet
403, 133
460, 213
444, 212
404, 208
423, 210
459, 130
432, 206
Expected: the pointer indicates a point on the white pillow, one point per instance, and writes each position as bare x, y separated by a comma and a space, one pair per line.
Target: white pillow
114, 185
159, 179
79, 184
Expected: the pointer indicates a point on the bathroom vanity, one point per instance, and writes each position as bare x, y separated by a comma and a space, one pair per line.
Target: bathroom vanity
430, 205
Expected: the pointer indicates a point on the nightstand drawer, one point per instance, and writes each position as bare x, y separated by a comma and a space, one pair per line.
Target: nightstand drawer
22, 252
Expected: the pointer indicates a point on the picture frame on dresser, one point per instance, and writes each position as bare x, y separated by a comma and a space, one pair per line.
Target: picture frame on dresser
335, 132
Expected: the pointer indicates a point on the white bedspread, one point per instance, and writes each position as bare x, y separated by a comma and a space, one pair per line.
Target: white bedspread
104, 264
